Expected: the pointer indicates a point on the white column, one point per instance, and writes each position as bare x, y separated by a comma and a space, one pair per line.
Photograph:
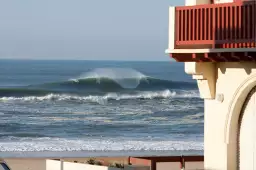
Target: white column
171, 28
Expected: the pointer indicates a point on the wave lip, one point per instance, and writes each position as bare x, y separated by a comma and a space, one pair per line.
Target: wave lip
125, 77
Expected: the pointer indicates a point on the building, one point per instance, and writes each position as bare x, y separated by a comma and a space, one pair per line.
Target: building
217, 42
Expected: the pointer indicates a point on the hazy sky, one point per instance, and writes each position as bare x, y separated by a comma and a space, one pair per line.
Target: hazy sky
85, 29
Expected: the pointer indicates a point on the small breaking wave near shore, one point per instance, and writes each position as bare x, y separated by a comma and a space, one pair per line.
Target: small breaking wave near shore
105, 98
57, 144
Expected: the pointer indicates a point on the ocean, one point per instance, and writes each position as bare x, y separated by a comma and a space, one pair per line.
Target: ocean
98, 106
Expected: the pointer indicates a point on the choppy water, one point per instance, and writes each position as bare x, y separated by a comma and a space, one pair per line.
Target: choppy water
98, 106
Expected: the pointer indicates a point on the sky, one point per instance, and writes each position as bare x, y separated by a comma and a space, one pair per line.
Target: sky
85, 29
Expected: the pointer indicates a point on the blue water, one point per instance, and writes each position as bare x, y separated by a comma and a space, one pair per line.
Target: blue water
98, 106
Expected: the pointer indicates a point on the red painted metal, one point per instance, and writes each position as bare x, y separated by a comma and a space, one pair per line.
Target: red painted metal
215, 57
227, 25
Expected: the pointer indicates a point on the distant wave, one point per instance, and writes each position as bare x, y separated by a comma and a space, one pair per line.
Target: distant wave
105, 98
92, 85
99, 81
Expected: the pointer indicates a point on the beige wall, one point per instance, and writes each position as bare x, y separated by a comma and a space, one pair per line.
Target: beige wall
26, 164
233, 82
57, 165
43, 164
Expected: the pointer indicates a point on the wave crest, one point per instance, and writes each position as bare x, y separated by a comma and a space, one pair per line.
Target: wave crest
125, 77
98, 81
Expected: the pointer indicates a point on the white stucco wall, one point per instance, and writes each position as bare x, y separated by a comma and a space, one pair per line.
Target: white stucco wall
234, 81
58, 165
171, 32
26, 164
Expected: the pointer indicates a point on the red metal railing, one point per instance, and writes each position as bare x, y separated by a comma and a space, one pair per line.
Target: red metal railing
229, 25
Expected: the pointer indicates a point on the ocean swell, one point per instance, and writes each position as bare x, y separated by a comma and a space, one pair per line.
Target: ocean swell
92, 86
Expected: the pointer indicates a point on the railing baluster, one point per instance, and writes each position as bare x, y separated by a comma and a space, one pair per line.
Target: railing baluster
231, 26
177, 21
205, 24
186, 26
197, 25
201, 24
213, 29
254, 23
189, 25
235, 26
239, 24
218, 26
193, 25
227, 12
181, 27
248, 22
244, 24
222, 24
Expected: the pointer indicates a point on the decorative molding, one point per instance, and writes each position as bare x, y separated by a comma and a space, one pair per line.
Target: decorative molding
205, 74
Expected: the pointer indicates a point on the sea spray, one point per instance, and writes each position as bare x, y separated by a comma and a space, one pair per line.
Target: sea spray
126, 77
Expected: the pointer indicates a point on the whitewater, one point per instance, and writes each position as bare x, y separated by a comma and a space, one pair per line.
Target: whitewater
97, 106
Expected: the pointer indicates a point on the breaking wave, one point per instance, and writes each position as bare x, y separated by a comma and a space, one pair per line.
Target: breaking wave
87, 86
105, 98
101, 85
125, 77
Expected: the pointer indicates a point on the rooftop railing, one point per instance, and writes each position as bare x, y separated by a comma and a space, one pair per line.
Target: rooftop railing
228, 25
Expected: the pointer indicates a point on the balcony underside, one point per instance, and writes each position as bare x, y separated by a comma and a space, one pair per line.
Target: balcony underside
215, 44
215, 57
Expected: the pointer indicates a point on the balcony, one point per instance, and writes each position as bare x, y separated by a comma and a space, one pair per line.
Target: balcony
214, 32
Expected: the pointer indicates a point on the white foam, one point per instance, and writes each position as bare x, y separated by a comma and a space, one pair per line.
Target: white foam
104, 99
190, 94
57, 144
125, 77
